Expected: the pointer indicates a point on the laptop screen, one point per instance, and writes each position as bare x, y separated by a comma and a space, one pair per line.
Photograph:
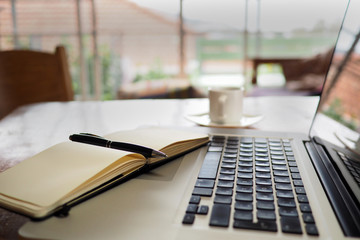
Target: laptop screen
338, 116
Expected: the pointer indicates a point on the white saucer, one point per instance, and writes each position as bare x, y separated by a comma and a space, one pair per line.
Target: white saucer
203, 119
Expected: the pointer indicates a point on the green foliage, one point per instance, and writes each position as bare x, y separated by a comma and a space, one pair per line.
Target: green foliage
73, 64
155, 72
335, 111
110, 79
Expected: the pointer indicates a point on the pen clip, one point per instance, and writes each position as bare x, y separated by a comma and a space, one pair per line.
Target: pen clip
92, 135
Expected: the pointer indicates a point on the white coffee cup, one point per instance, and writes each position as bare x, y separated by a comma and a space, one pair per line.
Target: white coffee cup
226, 105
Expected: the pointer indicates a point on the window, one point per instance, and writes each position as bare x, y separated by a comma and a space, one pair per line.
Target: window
113, 44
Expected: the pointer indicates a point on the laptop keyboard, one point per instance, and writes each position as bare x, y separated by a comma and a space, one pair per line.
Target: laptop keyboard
352, 165
256, 183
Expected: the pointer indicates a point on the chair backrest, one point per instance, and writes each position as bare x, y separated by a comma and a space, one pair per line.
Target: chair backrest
29, 76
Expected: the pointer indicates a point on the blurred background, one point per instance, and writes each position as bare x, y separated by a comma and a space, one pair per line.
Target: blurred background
122, 49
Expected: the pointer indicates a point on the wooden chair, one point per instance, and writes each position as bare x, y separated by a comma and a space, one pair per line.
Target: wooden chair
29, 76
295, 68
304, 75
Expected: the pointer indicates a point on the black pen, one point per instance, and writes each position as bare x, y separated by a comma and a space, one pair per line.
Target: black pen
100, 141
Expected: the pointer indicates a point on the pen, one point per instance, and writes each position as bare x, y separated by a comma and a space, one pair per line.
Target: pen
92, 139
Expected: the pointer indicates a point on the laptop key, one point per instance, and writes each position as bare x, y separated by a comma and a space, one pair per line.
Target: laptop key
231, 149
274, 142
284, 194
244, 182
279, 167
230, 155
220, 215
245, 164
275, 148
210, 165
188, 218
277, 152
246, 149
224, 191
302, 198
262, 164
280, 159
228, 165
260, 225
216, 144
246, 159
264, 196
244, 189
263, 181
292, 164
243, 215
311, 229
298, 183
286, 202
282, 179
266, 205
246, 140
217, 138
283, 186
246, 154
195, 199
261, 150
308, 218
191, 208
245, 175
227, 171
264, 188
262, 169
288, 211
290, 158
223, 199
245, 169
229, 160
233, 139
225, 184
244, 197
241, 205
215, 149
203, 210
262, 159
206, 192
261, 154
288, 149
304, 207
246, 145
205, 183
300, 190
226, 177
290, 225
262, 175
281, 173
266, 214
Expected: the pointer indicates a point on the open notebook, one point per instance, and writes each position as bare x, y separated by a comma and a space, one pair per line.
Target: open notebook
246, 184
67, 173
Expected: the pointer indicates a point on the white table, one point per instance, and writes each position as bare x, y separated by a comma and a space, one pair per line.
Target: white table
33, 128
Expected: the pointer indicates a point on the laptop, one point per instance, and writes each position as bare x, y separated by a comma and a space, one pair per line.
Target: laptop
245, 184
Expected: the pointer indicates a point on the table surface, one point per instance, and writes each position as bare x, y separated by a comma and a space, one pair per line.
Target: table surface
33, 128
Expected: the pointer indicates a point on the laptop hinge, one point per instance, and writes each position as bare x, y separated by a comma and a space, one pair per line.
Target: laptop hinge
341, 201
